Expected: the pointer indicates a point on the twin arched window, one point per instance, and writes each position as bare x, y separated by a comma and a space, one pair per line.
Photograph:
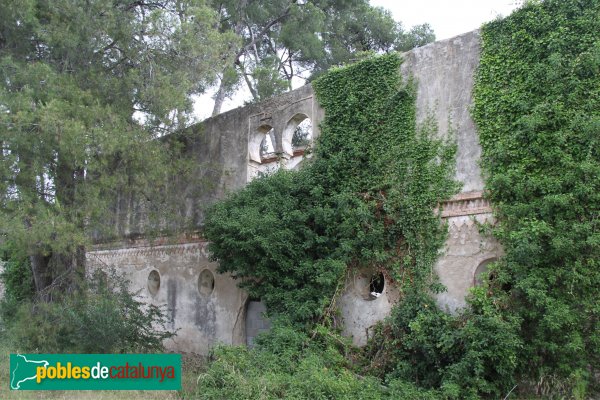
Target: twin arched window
270, 149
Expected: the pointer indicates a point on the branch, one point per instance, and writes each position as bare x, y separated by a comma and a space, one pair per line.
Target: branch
247, 47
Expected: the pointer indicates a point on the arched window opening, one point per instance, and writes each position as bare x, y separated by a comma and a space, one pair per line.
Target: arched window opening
481, 273
267, 149
259, 146
303, 134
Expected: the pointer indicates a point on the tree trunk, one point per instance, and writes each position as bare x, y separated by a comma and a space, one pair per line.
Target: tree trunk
41, 274
219, 99
62, 272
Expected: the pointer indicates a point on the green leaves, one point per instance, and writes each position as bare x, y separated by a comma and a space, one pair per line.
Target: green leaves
365, 199
84, 94
536, 108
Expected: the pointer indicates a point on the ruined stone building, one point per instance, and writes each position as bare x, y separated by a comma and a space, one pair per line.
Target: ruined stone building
208, 308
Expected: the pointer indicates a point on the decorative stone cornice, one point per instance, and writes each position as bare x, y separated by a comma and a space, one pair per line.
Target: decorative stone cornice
185, 248
471, 203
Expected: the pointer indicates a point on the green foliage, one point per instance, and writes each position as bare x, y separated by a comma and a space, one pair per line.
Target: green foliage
16, 275
84, 90
467, 355
104, 316
17, 281
365, 200
283, 40
537, 108
286, 364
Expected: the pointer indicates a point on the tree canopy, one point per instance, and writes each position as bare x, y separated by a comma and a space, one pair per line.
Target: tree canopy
84, 88
286, 39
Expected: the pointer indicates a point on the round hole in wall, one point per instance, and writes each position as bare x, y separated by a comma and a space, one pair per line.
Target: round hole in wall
206, 282
153, 282
482, 272
376, 285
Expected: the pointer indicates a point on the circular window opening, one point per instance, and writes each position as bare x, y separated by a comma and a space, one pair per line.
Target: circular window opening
376, 285
153, 282
206, 283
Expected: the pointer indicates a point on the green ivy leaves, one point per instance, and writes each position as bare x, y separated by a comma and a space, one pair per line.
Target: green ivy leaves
537, 107
365, 199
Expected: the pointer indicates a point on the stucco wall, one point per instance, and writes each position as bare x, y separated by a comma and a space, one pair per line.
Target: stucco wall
201, 317
444, 73
225, 150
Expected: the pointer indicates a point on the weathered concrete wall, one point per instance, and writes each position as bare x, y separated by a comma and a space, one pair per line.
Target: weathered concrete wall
223, 149
226, 151
465, 250
444, 73
205, 307
360, 308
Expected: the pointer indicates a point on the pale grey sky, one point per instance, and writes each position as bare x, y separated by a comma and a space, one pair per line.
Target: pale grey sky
448, 18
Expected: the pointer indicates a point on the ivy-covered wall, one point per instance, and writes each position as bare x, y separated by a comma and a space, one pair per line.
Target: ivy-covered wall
537, 109
366, 199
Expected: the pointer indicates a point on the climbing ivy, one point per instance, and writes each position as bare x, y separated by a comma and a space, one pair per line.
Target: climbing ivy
365, 199
537, 110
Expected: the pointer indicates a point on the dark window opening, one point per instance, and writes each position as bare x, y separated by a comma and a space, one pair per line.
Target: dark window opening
376, 284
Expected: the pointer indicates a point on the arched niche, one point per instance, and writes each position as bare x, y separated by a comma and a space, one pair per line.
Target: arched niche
206, 283
297, 134
256, 320
258, 145
153, 282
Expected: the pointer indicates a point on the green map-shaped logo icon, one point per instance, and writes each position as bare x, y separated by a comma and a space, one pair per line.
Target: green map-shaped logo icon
23, 371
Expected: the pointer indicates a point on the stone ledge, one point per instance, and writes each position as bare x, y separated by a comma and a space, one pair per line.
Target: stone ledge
470, 203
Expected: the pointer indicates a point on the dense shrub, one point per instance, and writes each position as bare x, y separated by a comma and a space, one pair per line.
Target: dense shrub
294, 365
467, 355
103, 316
17, 280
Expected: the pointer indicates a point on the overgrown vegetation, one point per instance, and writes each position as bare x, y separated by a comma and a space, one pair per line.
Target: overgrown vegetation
366, 200
530, 329
537, 109
101, 316
291, 364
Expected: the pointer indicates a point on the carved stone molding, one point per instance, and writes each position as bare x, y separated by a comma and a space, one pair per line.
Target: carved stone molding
471, 203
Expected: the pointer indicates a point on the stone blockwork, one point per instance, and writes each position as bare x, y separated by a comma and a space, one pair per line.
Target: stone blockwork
233, 148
